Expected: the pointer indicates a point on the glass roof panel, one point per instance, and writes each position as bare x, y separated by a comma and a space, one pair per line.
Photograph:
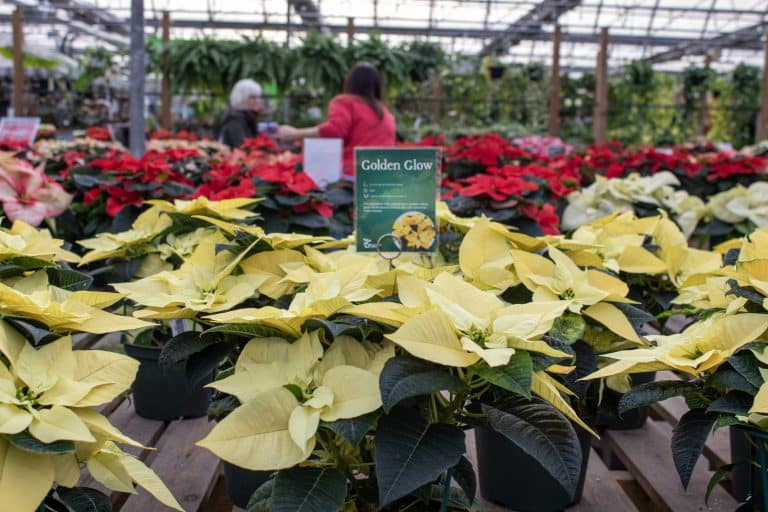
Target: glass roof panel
639, 28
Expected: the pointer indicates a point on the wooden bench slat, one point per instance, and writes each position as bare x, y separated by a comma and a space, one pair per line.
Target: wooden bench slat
601, 490
647, 455
189, 471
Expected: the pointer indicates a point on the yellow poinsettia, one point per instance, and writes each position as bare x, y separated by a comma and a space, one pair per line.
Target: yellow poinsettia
48, 393
709, 292
23, 240
754, 246
144, 229
462, 325
273, 265
231, 209
275, 428
445, 217
317, 262
326, 293
702, 347
380, 276
203, 284
617, 242
61, 310
484, 257
561, 279
589, 292
684, 263
465, 325
751, 269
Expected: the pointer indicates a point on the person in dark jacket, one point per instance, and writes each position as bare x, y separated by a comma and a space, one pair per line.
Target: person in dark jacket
242, 119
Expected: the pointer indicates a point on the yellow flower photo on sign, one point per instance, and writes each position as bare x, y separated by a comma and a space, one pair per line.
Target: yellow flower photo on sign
416, 229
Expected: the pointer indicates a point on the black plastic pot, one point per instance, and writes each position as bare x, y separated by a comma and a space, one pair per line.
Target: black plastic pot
511, 478
745, 476
461, 169
496, 72
241, 483
608, 416
166, 395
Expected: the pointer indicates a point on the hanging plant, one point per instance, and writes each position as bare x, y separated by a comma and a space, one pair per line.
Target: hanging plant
392, 63
322, 62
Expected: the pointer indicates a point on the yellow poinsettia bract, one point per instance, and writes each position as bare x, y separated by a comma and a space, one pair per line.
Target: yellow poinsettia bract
48, 392
61, 310
203, 284
273, 428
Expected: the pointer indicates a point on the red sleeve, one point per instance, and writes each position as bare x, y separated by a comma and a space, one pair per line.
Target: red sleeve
339, 121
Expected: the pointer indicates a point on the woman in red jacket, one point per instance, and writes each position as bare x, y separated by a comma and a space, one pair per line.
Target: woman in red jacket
357, 116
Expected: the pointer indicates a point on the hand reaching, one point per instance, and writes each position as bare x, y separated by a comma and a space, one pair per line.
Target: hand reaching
286, 132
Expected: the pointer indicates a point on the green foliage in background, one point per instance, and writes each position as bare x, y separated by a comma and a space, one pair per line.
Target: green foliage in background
737, 105
645, 106
95, 65
31, 60
641, 105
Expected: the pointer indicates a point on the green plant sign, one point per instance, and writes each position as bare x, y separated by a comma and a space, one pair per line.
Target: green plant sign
395, 199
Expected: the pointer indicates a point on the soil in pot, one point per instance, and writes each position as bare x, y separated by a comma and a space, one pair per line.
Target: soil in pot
166, 394
608, 416
511, 478
241, 483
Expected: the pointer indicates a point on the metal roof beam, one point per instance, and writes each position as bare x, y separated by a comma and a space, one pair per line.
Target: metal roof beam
85, 13
79, 22
750, 40
747, 37
547, 11
308, 11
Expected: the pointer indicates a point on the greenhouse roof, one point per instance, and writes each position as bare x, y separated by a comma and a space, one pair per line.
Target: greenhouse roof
671, 33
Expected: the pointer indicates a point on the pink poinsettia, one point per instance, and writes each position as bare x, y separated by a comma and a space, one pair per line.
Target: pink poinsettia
27, 194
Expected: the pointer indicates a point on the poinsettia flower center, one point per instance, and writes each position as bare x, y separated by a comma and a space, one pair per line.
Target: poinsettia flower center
27, 398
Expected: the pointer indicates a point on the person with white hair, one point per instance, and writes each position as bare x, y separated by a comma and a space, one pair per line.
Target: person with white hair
241, 120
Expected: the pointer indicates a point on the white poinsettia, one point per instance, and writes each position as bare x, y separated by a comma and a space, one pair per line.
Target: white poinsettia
607, 196
591, 203
739, 204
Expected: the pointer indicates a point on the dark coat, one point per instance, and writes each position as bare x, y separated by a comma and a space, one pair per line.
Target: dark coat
237, 126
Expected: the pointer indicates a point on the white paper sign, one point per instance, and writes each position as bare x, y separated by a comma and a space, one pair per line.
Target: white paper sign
322, 160
19, 130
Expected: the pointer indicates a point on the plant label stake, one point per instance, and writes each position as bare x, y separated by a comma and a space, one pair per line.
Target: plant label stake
381, 254
396, 194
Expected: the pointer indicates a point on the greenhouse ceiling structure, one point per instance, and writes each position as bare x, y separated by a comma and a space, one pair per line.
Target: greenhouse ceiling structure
669, 33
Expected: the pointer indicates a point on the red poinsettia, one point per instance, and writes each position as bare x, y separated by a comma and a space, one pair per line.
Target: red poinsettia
488, 150
321, 207
546, 217
498, 188
259, 143
118, 198
218, 190
98, 133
